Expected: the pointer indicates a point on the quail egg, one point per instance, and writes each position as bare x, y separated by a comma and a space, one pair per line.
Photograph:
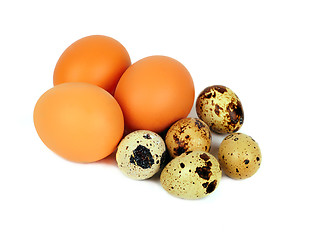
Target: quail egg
220, 108
239, 156
188, 134
140, 153
192, 175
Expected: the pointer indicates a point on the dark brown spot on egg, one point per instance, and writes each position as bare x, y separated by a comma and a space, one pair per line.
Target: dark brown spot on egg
246, 161
204, 156
176, 138
199, 124
237, 170
229, 136
182, 128
147, 136
187, 153
208, 95
212, 186
182, 165
205, 185
239, 111
235, 113
221, 89
142, 157
182, 145
217, 109
187, 136
236, 129
204, 172
179, 150
164, 159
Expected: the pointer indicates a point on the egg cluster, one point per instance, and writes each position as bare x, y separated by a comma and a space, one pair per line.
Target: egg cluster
101, 103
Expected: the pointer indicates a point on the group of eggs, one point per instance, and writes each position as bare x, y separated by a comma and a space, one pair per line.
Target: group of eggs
101, 102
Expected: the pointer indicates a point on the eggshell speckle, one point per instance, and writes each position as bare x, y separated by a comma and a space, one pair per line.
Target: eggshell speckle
239, 156
192, 175
220, 108
140, 154
188, 134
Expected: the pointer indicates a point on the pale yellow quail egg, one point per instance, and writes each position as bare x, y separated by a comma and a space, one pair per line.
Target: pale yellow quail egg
188, 134
220, 108
140, 154
192, 175
239, 156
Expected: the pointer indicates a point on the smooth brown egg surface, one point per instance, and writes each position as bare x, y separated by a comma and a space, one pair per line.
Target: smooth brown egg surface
79, 121
155, 92
96, 59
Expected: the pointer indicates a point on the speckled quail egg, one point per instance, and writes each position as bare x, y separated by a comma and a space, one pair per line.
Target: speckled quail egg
239, 156
220, 108
188, 134
192, 175
140, 154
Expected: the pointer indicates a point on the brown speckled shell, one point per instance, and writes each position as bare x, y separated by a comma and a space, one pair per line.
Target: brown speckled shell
239, 156
192, 175
220, 108
140, 154
188, 134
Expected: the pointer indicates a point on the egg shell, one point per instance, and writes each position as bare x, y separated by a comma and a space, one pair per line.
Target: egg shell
239, 156
96, 59
140, 154
188, 134
192, 175
155, 92
220, 108
79, 121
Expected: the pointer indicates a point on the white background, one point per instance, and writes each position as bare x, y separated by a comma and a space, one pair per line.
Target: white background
268, 52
